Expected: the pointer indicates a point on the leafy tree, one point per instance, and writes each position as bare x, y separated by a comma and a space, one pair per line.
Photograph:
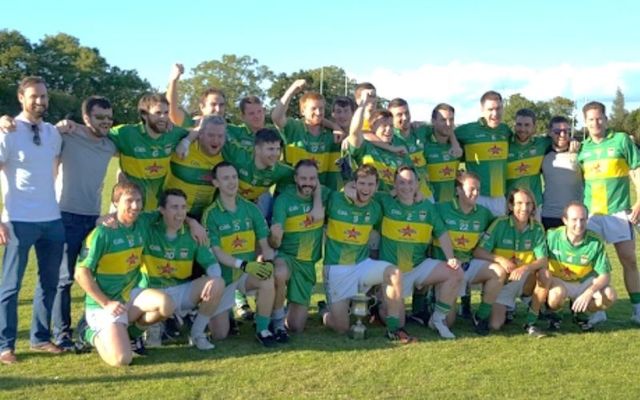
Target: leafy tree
511, 105
618, 112
631, 124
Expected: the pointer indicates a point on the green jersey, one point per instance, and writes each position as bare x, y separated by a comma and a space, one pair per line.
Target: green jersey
486, 150
114, 257
576, 262
414, 142
235, 232
252, 182
407, 231
242, 136
169, 262
144, 160
504, 239
606, 167
193, 176
524, 165
348, 229
464, 230
441, 168
302, 238
302, 144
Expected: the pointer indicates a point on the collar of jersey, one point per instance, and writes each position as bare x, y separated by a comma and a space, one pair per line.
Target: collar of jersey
456, 205
609, 135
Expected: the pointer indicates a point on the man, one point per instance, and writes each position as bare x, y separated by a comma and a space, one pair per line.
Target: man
236, 227
466, 221
145, 148
407, 229
579, 267
212, 101
297, 234
561, 174
525, 157
342, 111
515, 244
308, 138
486, 147
609, 161
347, 268
167, 265
361, 90
442, 166
31, 217
192, 174
108, 270
252, 115
85, 157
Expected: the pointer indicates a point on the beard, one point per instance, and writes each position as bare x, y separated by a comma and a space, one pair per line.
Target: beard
155, 126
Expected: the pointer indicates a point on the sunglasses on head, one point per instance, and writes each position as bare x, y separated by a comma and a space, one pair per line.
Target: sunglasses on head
36, 135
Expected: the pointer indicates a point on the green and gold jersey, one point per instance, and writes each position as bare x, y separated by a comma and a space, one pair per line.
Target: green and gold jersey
414, 143
114, 256
503, 239
348, 229
441, 168
144, 160
253, 181
485, 153
301, 145
169, 262
242, 136
407, 231
302, 238
235, 232
524, 165
193, 176
464, 230
606, 167
579, 262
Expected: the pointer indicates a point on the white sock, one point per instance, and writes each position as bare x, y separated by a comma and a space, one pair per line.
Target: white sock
199, 325
277, 317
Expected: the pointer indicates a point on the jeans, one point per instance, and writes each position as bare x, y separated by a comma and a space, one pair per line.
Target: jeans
76, 229
48, 239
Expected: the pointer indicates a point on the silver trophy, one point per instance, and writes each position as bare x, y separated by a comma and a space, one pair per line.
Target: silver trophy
359, 308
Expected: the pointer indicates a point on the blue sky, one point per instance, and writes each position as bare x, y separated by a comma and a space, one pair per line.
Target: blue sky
425, 52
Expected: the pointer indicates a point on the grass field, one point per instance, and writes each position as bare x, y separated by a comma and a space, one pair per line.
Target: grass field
320, 364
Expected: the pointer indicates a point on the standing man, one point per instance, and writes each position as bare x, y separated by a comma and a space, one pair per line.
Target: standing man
252, 115
342, 111
31, 217
609, 161
486, 147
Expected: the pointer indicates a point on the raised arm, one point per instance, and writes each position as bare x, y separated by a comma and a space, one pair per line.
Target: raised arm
176, 115
279, 113
355, 130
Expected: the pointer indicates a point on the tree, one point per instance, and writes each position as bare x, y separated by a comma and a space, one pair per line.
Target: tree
631, 124
16, 61
618, 113
514, 103
236, 76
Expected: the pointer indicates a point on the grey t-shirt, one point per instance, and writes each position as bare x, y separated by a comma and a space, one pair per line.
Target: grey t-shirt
84, 164
562, 182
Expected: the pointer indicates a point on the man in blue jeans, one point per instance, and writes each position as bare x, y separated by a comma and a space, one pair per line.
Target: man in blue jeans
31, 217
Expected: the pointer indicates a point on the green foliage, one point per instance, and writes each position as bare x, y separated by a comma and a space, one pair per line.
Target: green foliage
618, 115
72, 72
631, 124
544, 110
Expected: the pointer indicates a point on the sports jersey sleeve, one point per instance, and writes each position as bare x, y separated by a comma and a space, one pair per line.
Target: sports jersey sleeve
438, 224
632, 154
92, 250
210, 225
116, 135
292, 127
540, 245
235, 154
205, 257
488, 239
259, 224
279, 214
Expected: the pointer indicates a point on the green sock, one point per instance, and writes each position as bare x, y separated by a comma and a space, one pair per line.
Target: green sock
532, 317
393, 323
89, 336
442, 307
262, 323
134, 331
417, 302
634, 298
484, 311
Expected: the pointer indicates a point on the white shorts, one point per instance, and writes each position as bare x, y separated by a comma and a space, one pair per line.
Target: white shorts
345, 281
511, 291
497, 205
612, 228
228, 300
474, 266
180, 296
99, 319
575, 289
414, 278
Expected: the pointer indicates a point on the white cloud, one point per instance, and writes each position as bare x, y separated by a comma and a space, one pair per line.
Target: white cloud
461, 85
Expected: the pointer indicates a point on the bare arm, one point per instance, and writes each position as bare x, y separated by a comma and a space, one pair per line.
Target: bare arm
505, 263
355, 137
267, 252
85, 279
634, 217
226, 259
275, 236
176, 115
582, 302
279, 113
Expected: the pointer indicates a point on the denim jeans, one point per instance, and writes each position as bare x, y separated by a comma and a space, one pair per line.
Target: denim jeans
48, 239
76, 229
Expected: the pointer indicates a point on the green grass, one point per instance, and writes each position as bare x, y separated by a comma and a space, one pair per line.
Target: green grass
321, 364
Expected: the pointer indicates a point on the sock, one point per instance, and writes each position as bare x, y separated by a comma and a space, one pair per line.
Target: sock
532, 317
135, 331
465, 302
634, 298
418, 302
393, 323
441, 311
262, 323
484, 310
277, 316
199, 325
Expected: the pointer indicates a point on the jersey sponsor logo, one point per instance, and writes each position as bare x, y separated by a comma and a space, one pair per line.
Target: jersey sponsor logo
139, 149
527, 244
507, 241
584, 259
611, 151
118, 241
395, 211
184, 253
292, 208
422, 215
169, 254
155, 247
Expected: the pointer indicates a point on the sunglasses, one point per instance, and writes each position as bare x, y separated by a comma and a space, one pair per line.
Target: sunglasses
36, 135
559, 131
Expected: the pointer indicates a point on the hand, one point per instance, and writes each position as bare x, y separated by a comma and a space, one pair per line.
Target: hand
455, 151
350, 191
418, 197
198, 232
5, 236
574, 146
66, 126
109, 221
182, 149
518, 273
582, 302
207, 291
261, 270
339, 136
176, 71
115, 308
634, 216
7, 124
506, 264
399, 150
453, 263
297, 85
366, 97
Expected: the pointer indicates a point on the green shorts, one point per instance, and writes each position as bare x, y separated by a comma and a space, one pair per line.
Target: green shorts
302, 280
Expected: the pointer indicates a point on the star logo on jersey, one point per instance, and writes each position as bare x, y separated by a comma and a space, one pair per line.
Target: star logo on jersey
416, 160
352, 233
206, 177
244, 192
132, 259
387, 174
407, 231
238, 242
308, 221
154, 168
495, 150
166, 269
446, 171
567, 272
596, 168
462, 241
523, 168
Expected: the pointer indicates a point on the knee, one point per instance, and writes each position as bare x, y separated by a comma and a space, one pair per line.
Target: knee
281, 274
457, 276
392, 275
500, 273
218, 287
166, 307
120, 360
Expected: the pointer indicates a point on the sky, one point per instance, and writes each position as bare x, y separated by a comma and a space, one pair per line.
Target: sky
426, 52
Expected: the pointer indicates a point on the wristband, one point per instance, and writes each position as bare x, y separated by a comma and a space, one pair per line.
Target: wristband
239, 262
